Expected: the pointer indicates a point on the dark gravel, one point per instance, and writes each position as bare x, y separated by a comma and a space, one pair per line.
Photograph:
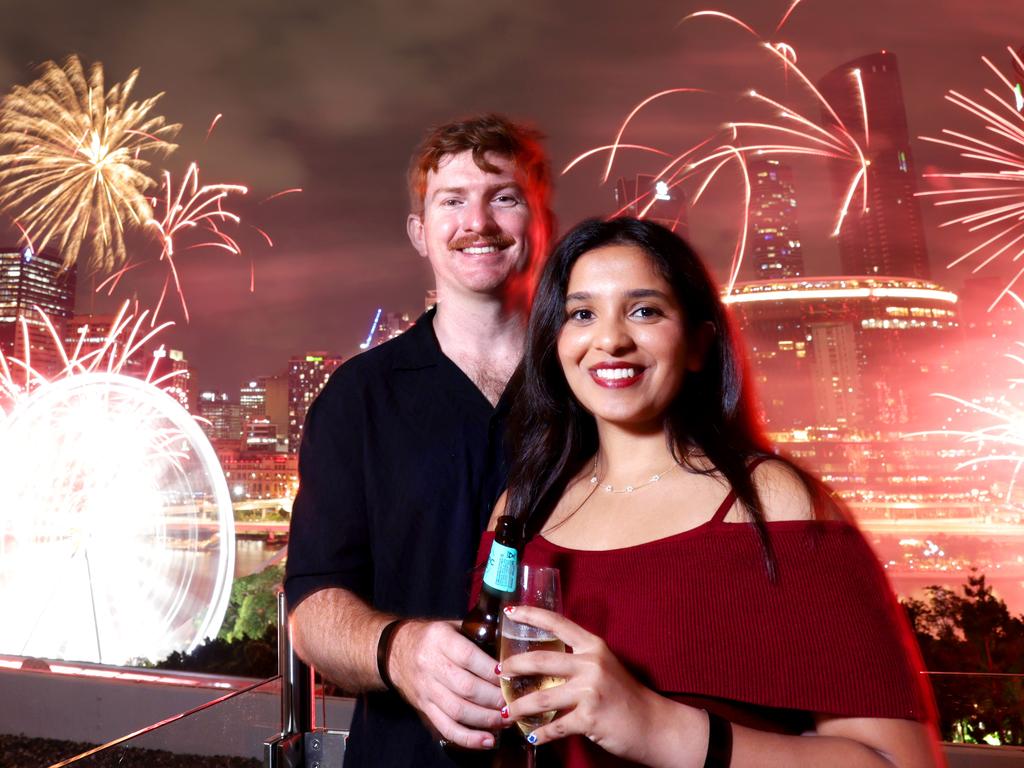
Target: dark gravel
23, 752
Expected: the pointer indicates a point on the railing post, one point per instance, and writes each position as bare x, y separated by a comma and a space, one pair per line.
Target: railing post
287, 748
297, 698
299, 745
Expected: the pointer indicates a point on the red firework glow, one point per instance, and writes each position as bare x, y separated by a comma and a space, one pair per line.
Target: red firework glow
787, 131
993, 192
191, 208
191, 215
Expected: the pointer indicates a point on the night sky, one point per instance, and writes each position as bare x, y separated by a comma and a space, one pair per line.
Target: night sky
331, 97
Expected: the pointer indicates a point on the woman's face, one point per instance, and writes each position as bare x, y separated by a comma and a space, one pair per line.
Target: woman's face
623, 347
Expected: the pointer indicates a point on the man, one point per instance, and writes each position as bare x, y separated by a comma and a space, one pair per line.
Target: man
401, 460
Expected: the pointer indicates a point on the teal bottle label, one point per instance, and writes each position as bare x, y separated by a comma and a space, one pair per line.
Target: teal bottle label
502, 565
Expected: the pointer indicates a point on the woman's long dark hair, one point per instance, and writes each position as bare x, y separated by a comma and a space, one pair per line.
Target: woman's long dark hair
552, 437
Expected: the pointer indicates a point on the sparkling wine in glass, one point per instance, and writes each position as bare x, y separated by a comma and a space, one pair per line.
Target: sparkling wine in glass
540, 587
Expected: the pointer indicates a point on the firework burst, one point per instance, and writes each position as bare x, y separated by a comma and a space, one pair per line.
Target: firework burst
73, 167
189, 209
989, 199
787, 131
1001, 439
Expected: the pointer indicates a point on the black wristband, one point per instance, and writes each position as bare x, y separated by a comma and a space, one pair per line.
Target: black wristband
384, 649
719, 742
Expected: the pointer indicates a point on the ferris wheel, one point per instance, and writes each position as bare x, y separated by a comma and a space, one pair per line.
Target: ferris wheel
116, 528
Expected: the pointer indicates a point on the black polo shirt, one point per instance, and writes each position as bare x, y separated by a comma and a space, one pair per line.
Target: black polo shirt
400, 466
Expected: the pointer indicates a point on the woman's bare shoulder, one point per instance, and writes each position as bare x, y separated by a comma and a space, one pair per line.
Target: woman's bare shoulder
782, 492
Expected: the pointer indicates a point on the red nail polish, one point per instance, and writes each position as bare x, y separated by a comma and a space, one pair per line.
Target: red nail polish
509, 608
504, 712
497, 669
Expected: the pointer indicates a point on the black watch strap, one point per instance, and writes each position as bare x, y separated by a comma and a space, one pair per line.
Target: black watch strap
384, 650
719, 742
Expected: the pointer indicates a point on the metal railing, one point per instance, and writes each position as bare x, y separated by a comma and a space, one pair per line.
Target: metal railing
248, 713
300, 744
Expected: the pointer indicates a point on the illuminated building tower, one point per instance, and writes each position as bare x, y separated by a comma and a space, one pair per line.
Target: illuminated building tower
89, 334
774, 244
252, 397
386, 326
307, 375
644, 197
888, 237
221, 419
29, 280
261, 436
264, 405
180, 385
392, 325
835, 374
842, 353
275, 406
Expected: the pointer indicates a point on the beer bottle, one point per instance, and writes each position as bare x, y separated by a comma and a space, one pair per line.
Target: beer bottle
499, 583
481, 626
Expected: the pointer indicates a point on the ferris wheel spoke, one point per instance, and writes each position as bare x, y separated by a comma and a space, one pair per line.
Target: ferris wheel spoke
45, 603
92, 602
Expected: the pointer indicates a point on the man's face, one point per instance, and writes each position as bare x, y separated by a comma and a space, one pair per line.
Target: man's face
474, 226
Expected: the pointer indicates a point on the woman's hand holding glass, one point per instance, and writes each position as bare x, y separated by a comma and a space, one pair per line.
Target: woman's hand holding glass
538, 587
599, 699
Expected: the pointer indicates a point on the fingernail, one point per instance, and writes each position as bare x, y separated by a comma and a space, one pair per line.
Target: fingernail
509, 609
532, 738
488, 742
504, 712
497, 669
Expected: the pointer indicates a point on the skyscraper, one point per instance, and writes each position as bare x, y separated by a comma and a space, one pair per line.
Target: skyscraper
221, 419
307, 375
177, 377
29, 280
774, 248
275, 403
835, 373
887, 238
654, 200
252, 396
90, 335
387, 326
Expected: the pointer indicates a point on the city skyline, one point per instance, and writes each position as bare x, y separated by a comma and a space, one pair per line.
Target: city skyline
862, 357
337, 114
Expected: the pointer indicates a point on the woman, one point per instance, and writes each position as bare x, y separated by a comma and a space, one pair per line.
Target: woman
720, 609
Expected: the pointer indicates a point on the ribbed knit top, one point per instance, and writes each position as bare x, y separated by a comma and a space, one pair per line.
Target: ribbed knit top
695, 615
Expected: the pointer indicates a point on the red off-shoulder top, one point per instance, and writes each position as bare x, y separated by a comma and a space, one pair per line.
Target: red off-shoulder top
696, 617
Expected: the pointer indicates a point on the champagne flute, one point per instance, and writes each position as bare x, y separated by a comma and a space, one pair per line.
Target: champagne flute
540, 587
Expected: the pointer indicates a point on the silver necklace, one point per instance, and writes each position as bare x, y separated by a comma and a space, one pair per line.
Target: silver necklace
608, 488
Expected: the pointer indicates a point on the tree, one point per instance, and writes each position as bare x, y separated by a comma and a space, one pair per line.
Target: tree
253, 605
975, 638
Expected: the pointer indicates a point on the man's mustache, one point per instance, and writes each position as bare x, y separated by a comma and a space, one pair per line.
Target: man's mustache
499, 241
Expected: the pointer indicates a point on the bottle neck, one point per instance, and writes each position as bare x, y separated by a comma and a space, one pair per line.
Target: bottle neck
502, 570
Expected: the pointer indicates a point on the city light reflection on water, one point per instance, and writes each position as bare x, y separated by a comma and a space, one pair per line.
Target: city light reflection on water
911, 567
914, 562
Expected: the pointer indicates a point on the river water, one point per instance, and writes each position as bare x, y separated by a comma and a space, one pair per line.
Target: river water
916, 562
253, 555
912, 566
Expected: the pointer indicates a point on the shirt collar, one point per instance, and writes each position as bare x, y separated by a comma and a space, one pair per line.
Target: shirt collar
419, 347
